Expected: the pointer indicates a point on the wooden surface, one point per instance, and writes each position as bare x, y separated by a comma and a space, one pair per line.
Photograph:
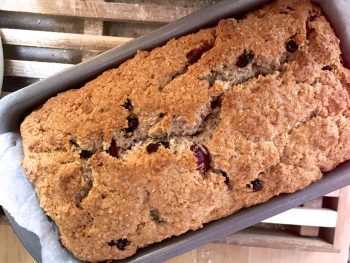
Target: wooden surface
253, 237
95, 28
32, 69
342, 232
220, 253
98, 9
311, 230
11, 249
33, 38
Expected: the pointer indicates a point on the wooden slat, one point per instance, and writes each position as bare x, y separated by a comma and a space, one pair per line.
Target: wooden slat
92, 27
341, 234
306, 217
32, 69
99, 10
312, 231
309, 231
276, 239
224, 253
60, 40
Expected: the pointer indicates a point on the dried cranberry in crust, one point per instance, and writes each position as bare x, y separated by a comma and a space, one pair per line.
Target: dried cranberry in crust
195, 54
329, 68
152, 147
244, 59
121, 243
257, 185
203, 157
133, 123
292, 46
113, 149
215, 103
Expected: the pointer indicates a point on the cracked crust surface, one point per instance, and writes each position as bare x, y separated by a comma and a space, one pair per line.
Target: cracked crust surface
272, 122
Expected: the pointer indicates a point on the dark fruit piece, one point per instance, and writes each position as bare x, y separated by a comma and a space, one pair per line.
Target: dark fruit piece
85, 154
152, 147
257, 185
127, 105
215, 103
113, 149
161, 115
133, 123
203, 157
121, 243
195, 54
292, 46
244, 59
154, 213
111, 243
329, 68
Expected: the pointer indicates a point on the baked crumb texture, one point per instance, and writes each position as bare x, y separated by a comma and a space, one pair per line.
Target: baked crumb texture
192, 131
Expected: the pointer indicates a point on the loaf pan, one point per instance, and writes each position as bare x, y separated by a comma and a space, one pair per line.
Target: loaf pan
14, 107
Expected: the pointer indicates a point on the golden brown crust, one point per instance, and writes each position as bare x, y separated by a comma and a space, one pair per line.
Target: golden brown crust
114, 164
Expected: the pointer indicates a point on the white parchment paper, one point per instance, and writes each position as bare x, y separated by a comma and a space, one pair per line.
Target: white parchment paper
18, 197
17, 194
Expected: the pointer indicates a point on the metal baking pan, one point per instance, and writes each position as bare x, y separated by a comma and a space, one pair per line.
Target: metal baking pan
14, 107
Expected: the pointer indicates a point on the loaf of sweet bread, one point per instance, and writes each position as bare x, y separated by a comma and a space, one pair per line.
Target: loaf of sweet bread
191, 131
